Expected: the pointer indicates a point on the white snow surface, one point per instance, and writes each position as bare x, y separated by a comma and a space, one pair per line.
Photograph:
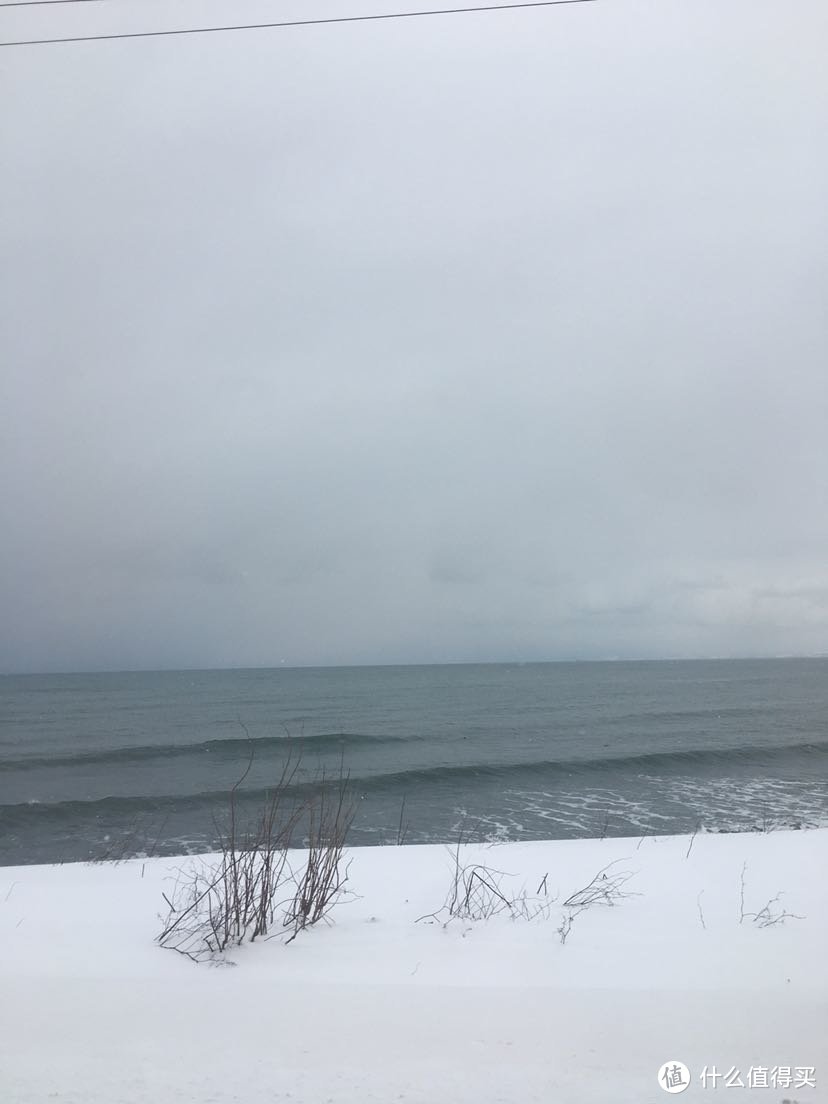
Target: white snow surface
378, 1006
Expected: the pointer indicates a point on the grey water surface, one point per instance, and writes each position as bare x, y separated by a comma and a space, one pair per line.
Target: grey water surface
111, 765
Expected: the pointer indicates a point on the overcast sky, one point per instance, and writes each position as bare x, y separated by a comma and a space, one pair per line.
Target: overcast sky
486, 337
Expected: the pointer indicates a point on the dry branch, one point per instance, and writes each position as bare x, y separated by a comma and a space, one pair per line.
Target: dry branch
330, 815
215, 905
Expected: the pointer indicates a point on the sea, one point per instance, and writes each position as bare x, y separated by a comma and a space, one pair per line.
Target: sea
116, 765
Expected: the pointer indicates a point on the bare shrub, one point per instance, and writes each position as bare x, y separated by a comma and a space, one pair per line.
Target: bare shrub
606, 888
770, 914
330, 814
221, 903
479, 892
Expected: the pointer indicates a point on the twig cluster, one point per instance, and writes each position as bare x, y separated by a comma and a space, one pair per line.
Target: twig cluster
606, 888
479, 892
220, 903
767, 916
319, 886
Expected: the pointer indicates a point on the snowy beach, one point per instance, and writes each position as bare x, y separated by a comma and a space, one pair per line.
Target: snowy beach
692, 960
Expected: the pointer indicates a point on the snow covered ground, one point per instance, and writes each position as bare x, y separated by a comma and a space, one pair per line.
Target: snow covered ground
380, 1007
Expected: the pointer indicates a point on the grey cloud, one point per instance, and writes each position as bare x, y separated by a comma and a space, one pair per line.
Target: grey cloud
494, 338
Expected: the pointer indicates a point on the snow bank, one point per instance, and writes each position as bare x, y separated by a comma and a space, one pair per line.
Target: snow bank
381, 1007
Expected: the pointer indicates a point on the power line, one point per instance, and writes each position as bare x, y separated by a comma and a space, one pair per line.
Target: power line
288, 23
42, 3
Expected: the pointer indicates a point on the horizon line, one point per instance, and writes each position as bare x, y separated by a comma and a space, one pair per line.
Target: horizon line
443, 663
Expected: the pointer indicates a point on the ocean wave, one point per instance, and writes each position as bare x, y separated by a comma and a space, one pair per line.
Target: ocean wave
234, 748
238, 750
455, 779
